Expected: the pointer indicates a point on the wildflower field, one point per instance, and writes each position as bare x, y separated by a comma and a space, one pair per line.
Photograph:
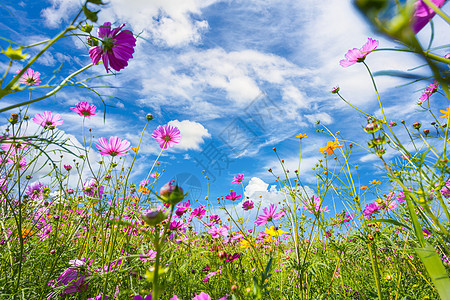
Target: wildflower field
75, 227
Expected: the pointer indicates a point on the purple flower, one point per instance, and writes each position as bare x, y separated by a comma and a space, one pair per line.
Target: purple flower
247, 205
68, 167
35, 190
84, 109
445, 191
138, 297
233, 196
269, 215
423, 14
232, 257
213, 220
199, 212
73, 278
48, 121
116, 49
166, 136
114, 147
238, 178
426, 232
29, 77
358, 55
99, 297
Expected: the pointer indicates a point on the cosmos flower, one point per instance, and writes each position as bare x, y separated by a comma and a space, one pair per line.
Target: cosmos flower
238, 178
202, 296
423, 14
166, 136
182, 208
47, 120
358, 55
269, 215
84, 109
233, 196
314, 205
29, 77
301, 136
330, 147
370, 209
117, 47
217, 232
199, 212
114, 147
247, 205
35, 190
445, 112
92, 189
430, 90
272, 231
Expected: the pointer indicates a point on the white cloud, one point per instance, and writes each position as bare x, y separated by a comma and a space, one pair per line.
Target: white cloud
193, 134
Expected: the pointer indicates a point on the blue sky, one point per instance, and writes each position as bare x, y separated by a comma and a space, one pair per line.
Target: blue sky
237, 77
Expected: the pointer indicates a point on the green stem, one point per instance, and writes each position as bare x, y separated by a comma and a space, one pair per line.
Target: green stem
437, 10
376, 273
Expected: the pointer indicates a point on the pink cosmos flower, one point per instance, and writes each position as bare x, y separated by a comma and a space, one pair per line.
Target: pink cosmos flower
48, 121
84, 109
315, 205
92, 188
217, 232
166, 136
371, 208
199, 212
358, 55
202, 296
238, 178
35, 190
233, 196
213, 220
430, 90
391, 205
269, 215
115, 146
445, 191
401, 196
423, 14
73, 278
247, 205
182, 208
30, 77
176, 225
117, 47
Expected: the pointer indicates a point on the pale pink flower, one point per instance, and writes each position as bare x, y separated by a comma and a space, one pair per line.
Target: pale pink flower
217, 232
84, 109
166, 136
202, 295
114, 147
358, 55
117, 47
48, 120
29, 77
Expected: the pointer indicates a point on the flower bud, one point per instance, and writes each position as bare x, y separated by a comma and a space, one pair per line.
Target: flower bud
416, 125
335, 90
171, 194
149, 117
14, 118
426, 131
222, 254
372, 127
153, 218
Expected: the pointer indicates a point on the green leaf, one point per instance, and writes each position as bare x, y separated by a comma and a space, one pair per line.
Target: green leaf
14, 54
394, 222
435, 269
91, 15
98, 2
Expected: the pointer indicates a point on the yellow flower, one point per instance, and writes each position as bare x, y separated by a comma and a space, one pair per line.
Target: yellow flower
246, 244
274, 232
363, 187
374, 182
445, 112
330, 147
135, 149
144, 190
301, 136
269, 239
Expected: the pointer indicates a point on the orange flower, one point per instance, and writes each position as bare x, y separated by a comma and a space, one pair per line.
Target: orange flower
26, 233
330, 147
144, 190
374, 182
135, 149
363, 187
301, 136
445, 112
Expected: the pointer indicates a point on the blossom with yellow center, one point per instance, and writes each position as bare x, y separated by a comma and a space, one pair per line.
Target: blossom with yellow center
445, 112
247, 244
330, 147
374, 182
269, 239
274, 231
301, 136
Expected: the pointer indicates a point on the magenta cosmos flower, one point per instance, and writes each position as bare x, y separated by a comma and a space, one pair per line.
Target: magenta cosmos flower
233, 196
423, 14
166, 136
114, 147
430, 90
269, 215
217, 232
247, 205
117, 47
238, 178
84, 109
202, 296
30, 77
358, 55
48, 120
